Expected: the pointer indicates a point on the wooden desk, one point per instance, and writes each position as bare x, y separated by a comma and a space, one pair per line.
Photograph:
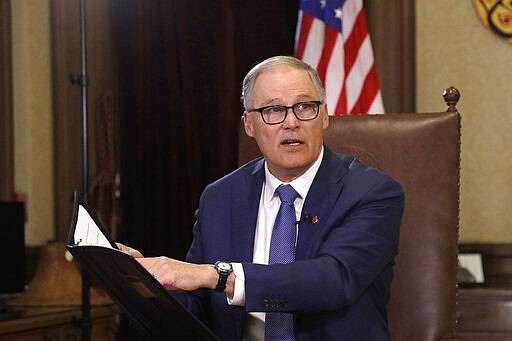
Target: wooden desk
485, 314
60, 324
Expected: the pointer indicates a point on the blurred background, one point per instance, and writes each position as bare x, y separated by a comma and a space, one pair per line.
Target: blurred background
164, 109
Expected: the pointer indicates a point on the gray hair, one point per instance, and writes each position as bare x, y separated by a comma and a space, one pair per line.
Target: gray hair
271, 62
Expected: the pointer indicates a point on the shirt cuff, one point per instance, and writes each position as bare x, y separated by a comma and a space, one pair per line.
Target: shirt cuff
239, 289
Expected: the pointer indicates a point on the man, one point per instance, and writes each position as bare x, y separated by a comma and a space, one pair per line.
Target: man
336, 284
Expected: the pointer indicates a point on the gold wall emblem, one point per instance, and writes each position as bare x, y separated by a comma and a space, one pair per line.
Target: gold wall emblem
497, 15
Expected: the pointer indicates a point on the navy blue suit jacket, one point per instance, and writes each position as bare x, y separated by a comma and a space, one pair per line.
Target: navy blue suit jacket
339, 285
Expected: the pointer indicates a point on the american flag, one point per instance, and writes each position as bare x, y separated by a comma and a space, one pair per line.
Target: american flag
332, 36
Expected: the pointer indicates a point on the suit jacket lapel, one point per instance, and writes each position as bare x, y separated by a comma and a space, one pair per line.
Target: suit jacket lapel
322, 195
245, 199
246, 196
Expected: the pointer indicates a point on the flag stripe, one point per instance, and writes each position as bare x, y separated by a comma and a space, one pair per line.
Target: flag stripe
356, 76
304, 22
376, 107
366, 97
335, 72
341, 108
332, 36
353, 43
314, 43
351, 9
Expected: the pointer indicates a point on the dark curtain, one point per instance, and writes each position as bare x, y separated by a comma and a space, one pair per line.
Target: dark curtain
179, 66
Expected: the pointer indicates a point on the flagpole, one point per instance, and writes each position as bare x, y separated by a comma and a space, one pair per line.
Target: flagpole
85, 322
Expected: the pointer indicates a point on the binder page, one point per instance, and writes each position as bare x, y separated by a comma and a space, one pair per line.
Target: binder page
87, 232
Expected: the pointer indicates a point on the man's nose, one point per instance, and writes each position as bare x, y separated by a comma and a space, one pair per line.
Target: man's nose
290, 119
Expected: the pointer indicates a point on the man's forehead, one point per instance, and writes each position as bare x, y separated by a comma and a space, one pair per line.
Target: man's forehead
306, 96
271, 85
283, 68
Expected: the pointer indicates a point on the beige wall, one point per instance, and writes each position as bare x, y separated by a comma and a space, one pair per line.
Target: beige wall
32, 115
455, 48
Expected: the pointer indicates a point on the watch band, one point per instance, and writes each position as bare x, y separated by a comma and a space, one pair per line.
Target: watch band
224, 269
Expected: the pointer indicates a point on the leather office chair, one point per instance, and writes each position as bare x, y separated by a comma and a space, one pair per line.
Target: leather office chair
421, 151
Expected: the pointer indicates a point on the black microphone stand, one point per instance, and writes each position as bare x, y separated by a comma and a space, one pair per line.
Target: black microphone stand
85, 322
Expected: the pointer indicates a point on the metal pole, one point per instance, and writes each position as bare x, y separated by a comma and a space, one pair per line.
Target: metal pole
85, 323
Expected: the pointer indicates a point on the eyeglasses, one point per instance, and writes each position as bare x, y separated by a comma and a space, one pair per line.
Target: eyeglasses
275, 114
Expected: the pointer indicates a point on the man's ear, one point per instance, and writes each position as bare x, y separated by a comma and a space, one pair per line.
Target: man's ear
248, 125
325, 118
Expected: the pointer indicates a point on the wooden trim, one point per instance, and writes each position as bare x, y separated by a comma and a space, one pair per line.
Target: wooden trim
391, 25
6, 106
485, 314
496, 259
65, 47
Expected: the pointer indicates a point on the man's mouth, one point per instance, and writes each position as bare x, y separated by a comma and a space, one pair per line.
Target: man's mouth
290, 142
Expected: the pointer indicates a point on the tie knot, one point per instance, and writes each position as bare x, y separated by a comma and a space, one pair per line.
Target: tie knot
286, 193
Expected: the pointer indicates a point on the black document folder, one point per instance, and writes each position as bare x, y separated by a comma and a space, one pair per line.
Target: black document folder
152, 309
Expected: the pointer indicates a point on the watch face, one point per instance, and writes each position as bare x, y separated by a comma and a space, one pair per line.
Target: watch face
224, 266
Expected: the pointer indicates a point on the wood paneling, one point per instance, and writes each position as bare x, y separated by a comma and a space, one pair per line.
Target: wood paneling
67, 97
486, 313
6, 113
496, 261
59, 324
391, 25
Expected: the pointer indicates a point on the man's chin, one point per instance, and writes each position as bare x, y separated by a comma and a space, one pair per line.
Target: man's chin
293, 168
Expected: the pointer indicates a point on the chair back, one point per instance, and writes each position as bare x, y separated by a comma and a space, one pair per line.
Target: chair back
422, 152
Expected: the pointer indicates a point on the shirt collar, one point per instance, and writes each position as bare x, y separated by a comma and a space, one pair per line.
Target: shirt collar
301, 184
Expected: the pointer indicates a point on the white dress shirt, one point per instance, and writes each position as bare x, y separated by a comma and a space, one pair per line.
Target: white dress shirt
267, 212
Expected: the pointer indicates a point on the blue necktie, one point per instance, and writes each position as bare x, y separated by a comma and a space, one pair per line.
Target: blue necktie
279, 326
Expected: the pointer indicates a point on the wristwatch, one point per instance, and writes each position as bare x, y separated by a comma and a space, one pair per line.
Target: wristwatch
223, 269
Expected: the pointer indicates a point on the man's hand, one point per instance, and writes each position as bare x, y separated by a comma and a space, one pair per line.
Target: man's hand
129, 250
174, 274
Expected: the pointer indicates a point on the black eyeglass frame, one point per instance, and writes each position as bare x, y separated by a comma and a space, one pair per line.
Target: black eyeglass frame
260, 110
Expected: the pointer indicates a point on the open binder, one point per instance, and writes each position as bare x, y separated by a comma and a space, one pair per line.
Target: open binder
152, 309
